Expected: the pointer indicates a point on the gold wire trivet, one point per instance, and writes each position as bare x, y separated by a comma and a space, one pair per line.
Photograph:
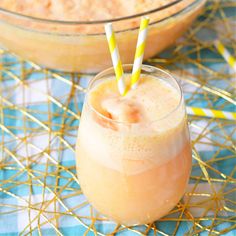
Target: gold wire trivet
30, 168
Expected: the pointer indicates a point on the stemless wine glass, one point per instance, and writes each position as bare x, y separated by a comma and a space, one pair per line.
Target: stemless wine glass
134, 173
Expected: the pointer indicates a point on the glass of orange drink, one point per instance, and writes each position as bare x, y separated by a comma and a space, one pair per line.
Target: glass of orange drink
133, 152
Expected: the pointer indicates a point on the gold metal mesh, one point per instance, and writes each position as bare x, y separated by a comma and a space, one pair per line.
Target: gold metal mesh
29, 167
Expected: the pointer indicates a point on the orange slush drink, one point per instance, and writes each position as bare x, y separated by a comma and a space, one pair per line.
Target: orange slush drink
58, 42
133, 151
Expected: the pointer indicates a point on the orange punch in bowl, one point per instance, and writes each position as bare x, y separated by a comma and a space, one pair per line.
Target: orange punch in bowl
71, 38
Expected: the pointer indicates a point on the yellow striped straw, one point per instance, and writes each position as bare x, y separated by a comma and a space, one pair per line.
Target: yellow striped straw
138, 59
115, 56
225, 54
197, 111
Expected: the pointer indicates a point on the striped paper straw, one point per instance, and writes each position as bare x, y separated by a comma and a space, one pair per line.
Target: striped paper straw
138, 59
197, 111
115, 56
225, 54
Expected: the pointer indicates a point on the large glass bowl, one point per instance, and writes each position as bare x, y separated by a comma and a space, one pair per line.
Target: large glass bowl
82, 46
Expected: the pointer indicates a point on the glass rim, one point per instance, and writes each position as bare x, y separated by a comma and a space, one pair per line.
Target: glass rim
111, 69
94, 21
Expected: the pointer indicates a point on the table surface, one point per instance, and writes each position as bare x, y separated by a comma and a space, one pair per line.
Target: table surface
39, 117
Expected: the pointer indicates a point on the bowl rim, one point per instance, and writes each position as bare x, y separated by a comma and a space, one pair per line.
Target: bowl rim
50, 21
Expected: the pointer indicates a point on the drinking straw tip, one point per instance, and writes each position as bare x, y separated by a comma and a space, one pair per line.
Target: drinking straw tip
108, 26
146, 17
